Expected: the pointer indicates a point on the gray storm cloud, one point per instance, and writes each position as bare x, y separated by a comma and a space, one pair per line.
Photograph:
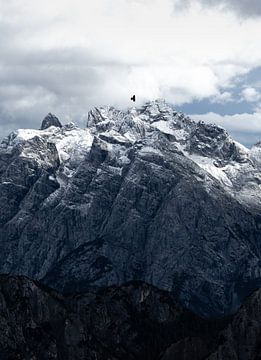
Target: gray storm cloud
245, 8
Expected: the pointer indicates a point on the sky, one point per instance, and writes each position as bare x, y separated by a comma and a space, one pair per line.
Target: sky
66, 56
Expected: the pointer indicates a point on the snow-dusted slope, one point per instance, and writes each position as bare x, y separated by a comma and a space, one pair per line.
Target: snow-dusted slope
144, 193
71, 142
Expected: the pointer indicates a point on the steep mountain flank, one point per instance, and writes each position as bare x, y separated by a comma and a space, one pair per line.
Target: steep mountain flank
143, 194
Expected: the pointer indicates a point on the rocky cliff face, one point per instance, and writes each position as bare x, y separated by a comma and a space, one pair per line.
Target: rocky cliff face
50, 120
132, 321
146, 194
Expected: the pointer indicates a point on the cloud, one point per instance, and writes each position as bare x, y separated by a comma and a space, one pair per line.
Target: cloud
244, 8
251, 95
75, 54
222, 98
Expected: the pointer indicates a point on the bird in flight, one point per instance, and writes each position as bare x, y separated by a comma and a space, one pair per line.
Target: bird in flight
133, 98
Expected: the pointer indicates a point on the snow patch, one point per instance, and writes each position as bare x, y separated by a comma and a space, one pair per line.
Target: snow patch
149, 149
163, 126
208, 165
27, 134
74, 144
255, 154
70, 142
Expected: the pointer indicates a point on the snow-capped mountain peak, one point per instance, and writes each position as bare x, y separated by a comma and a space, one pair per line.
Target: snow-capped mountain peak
144, 193
208, 145
154, 125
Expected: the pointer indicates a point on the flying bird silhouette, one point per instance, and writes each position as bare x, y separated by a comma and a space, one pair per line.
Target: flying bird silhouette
133, 98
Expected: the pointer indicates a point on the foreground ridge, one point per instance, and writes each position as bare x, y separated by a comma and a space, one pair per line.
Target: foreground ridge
135, 320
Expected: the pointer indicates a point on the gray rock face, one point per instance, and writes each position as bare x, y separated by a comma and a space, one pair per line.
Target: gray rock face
50, 120
201, 143
145, 194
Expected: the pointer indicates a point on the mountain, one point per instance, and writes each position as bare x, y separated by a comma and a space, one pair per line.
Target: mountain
143, 194
131, 321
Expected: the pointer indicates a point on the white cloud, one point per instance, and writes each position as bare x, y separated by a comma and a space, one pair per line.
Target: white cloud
251, 94
67, 55
239, 122
222, 98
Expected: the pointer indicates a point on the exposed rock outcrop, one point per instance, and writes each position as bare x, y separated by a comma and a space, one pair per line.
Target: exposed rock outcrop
50, 120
